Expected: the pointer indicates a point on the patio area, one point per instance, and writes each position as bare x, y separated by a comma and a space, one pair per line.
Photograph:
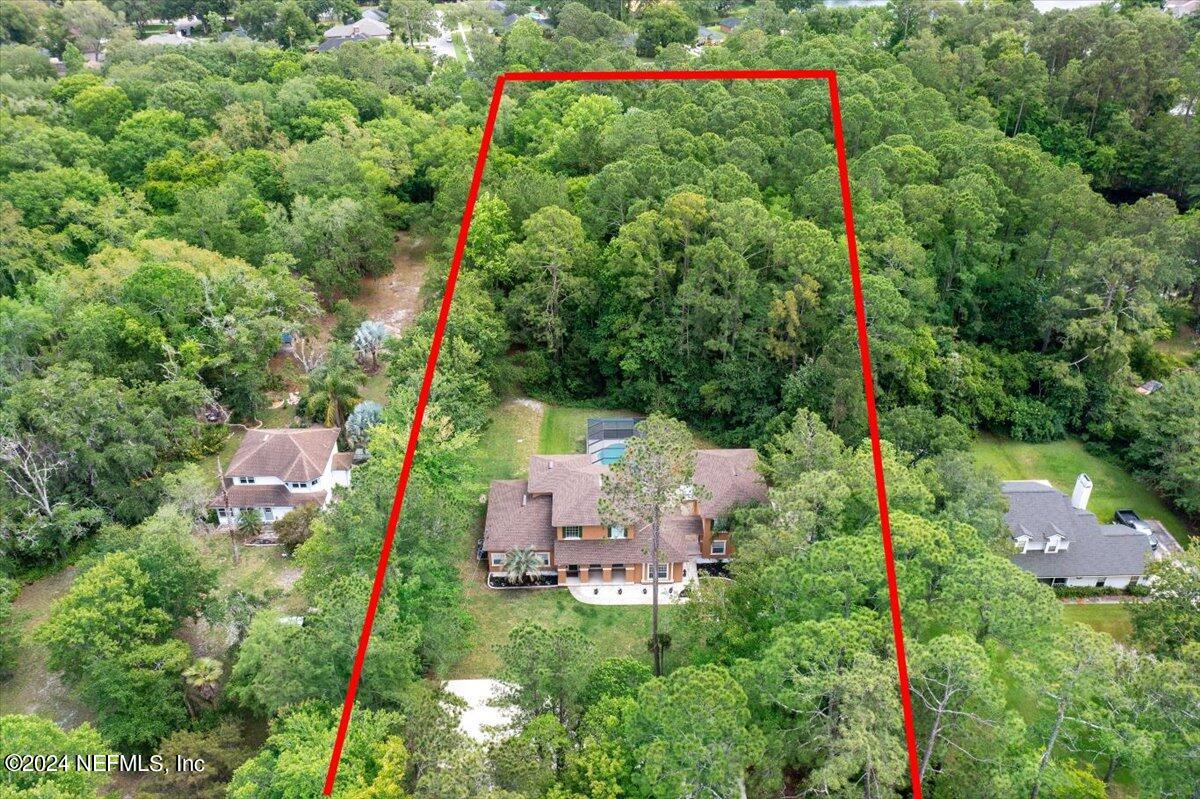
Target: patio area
595, 592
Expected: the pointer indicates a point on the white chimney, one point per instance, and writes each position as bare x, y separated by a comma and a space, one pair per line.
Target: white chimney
1083, 492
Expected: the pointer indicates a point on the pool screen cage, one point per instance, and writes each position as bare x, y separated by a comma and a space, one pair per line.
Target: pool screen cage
606, 438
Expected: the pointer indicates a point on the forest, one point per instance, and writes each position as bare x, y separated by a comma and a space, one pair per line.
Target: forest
1024, 190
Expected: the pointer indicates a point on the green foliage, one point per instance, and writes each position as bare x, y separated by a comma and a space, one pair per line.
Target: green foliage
548, 669
222, 751
333, 387
1166, 622
10, 631
673, 248
281, 664
662, 24
99, 109
296, 755
31, 734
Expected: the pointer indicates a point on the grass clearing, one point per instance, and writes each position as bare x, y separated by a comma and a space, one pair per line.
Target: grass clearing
33, 689
512, 436
613, 630
1060, 462
1184, 344
1112, 619
564, 430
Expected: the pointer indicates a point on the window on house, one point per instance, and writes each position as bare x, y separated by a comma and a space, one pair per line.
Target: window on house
297, 485
573, 532
497, 559
718, 547
616, 531
543, 558
664, 571
245, 481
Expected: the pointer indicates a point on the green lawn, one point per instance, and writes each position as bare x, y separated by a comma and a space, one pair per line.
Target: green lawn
619, 630
460, 47
1111, 619
512, 436
564, 430
1060, 462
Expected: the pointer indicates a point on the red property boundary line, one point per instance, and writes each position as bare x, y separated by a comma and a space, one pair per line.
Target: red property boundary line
830, 77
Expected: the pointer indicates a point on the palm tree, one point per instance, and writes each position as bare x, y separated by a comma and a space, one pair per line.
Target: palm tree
333, 387
202, 679
250, 524
521, 565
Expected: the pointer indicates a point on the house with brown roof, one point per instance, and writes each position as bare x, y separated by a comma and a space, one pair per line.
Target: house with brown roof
555, 513
276, 470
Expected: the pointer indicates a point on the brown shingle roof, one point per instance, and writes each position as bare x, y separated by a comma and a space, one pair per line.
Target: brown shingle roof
730, 476
575, 483
266, 496
342, 461
563, 490
290, 455
515, 519
679, 541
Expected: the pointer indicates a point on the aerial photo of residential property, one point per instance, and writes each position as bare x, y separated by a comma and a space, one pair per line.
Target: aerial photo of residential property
600, 399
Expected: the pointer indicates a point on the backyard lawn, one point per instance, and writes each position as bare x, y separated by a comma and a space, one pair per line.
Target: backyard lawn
613, 630
1111, 619
1060, 462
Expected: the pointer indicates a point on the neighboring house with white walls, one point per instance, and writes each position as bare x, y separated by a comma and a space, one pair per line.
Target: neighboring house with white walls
1063, 543
276, 470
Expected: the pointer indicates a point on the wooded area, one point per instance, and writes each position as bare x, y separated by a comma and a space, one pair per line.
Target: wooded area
1023, 189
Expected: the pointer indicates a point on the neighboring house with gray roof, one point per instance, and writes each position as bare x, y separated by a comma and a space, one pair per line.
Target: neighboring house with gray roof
365, 27
555, 513
275, 471
1062, 543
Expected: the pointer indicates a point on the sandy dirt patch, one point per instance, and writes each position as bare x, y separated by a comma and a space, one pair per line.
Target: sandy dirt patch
34, 689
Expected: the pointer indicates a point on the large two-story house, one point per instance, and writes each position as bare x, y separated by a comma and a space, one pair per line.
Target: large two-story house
555, 513
1063, 543
274, 471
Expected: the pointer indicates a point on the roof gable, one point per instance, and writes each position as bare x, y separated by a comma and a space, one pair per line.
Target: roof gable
290, 455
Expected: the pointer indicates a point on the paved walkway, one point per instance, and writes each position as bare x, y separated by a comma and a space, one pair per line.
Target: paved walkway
481, 720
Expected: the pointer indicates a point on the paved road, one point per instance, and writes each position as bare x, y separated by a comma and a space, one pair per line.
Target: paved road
440, 43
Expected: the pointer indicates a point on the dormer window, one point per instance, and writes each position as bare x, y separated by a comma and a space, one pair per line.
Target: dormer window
244, 481
1053, 544
573, 531
299, 485
616, 531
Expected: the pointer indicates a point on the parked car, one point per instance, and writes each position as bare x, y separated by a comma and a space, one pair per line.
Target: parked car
1130, 518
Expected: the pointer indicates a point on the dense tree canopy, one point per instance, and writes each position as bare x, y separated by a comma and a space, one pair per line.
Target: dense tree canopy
1021, 186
